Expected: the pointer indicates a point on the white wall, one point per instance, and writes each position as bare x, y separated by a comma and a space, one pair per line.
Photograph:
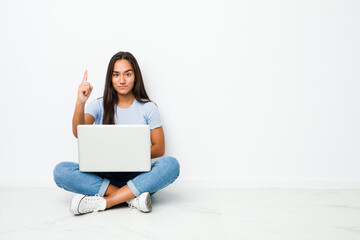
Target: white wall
252, 93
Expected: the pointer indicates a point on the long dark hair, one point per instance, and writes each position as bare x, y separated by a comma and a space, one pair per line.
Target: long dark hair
110, 94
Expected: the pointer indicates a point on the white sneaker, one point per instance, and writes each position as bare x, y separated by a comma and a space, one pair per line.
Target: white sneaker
81, 204
142, 202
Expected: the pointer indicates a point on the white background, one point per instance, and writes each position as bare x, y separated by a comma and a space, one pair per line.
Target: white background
251, 93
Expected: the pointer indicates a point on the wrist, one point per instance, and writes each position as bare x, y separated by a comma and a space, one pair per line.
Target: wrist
79, 103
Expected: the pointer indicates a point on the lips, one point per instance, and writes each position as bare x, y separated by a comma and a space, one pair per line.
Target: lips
122, 87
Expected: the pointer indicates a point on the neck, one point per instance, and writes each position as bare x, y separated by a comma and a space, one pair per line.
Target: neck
126, 99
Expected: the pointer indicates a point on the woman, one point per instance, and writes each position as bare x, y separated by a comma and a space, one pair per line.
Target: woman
124, 102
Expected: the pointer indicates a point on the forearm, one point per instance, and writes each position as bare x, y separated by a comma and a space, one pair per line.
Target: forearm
156, 151
78, 117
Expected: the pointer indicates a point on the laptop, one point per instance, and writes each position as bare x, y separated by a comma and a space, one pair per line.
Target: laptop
114, 148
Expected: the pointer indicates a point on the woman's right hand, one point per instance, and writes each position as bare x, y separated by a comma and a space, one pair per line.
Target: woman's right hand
84, 90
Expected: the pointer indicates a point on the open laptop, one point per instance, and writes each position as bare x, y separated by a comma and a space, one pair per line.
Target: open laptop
114, 148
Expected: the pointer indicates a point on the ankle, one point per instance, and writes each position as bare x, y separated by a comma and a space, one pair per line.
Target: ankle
108, 202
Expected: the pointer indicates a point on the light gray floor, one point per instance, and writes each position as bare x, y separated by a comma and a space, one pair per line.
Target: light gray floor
183, 213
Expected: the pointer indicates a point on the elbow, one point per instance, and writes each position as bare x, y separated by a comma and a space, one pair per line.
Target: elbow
75, 134
161, 152
157, 152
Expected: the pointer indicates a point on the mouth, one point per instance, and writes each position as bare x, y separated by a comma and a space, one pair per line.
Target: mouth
122, 87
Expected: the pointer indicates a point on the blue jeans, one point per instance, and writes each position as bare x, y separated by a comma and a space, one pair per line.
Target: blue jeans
163, 172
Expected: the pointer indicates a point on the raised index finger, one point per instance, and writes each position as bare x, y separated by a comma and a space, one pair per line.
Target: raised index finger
85, 76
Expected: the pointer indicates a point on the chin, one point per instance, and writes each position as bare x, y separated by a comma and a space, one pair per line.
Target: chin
122, 92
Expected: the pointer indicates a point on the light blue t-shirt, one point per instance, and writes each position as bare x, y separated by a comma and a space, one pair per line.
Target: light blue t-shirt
138, 113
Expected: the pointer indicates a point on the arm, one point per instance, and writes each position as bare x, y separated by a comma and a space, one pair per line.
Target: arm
84, 92
158, 142
80, 118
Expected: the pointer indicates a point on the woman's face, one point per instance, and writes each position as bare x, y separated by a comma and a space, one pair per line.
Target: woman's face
123, 77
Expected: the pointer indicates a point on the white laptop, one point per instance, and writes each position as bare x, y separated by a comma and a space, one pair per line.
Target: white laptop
114, 148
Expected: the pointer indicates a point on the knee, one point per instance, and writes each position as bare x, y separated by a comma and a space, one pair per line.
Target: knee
173, 166
62, 170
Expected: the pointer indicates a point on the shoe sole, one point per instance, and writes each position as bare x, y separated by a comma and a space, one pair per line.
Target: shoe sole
74, 206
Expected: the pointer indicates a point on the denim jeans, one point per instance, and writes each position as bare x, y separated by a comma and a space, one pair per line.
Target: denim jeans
163, 172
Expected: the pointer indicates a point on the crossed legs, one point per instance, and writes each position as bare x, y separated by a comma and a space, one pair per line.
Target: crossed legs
163, 172
115, 195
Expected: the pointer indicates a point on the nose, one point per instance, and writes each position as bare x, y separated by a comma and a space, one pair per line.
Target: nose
122, 80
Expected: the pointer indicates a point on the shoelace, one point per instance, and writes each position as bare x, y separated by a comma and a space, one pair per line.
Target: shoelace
92, 203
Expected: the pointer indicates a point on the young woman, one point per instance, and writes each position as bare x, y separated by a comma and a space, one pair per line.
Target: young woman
125, 101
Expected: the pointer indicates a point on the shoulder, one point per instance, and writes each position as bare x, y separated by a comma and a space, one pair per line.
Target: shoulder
96, 101
99, 102
148, 106
95, 105
148, 109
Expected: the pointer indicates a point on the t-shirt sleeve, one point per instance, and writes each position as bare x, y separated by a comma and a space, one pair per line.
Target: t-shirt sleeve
93, 108
153, 116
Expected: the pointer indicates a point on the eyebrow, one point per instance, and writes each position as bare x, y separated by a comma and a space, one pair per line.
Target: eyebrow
124, 72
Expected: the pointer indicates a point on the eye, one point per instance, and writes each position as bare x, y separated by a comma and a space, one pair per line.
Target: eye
128, 74
115, 74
